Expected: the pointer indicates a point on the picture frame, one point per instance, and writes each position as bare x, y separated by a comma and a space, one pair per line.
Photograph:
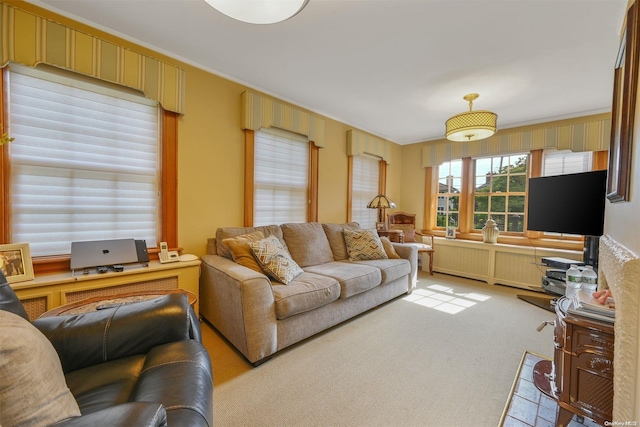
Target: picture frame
15, 262
381, 226
623, 110
451, 233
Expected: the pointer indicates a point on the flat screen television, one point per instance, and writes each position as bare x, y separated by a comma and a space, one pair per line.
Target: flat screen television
570, 204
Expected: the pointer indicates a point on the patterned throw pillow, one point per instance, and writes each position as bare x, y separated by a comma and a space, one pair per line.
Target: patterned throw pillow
275, 260
363, 245
241, 251
389, 249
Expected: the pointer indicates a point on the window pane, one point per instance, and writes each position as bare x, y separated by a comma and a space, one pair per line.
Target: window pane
516, 223
483, 184
516, 204
481, 204
517, 183
500, 221
479, 220
454, 203
498, 203
499, 183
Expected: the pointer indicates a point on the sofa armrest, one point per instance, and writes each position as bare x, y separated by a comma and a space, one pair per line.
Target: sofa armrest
410, 253
239, 303
127, 414
86, 339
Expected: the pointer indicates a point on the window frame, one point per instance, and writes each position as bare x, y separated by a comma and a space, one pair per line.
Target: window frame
168, 221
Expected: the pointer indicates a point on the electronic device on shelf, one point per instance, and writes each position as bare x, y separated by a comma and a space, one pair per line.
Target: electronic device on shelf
143, 254
165, 255
570, 204
100, 253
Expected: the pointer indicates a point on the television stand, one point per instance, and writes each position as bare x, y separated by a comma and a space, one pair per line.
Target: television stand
545, 302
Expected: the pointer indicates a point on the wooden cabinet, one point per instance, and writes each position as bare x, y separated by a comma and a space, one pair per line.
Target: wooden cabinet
583, 366
49, 291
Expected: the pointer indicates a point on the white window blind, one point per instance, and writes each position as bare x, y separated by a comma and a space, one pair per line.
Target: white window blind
565, 162
84, 163
281, 162
366, 173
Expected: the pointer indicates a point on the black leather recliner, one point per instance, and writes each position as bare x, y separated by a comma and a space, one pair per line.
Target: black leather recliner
135, 364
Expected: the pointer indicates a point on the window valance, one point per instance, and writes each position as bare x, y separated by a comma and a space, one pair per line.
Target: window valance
590, 133
362, 143
259, 111
29, 39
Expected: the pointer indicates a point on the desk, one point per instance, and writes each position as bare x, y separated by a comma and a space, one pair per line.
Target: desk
396, 236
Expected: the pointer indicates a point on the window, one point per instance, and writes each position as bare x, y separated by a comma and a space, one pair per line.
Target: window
561, 162
281, 171
84, 163
449, 188
500, 192
364, 185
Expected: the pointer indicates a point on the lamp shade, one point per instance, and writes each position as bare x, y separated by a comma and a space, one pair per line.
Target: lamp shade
259, 11
381, 202
471, 125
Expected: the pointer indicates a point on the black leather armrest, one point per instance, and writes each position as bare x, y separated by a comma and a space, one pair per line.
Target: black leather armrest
87, 339
127, 414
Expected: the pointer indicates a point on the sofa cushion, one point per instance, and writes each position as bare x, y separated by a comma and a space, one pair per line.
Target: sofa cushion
363, 244
388, 248
307, 243
275, 260
240, 250
353, 278
306, 292
391, 269
33, 390
226, 232
336, 238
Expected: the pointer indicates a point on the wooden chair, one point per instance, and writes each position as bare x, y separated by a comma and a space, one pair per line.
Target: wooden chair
407, 223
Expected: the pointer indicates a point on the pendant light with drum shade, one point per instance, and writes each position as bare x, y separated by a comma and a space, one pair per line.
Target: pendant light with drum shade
471, 125
259, 11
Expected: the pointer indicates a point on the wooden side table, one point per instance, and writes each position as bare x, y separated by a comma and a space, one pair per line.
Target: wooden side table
396, 236
98, 303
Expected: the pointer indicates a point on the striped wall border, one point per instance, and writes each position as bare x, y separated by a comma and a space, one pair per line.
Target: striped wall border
590, 134
359, 143
260, 111
29, 39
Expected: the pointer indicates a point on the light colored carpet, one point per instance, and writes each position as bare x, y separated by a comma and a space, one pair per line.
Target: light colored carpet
410, 362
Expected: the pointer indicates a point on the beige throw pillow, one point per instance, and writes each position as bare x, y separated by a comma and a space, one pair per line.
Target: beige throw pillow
33, 390
275, 259
240, 250
389, 249
363, 245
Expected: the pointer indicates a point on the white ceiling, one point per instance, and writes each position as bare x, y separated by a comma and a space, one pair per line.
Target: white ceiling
394, 68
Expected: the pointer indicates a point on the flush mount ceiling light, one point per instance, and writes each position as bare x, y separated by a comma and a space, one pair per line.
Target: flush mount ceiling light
259, 11
472, 125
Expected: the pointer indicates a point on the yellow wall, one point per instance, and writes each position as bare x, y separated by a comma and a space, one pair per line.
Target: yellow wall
211, 159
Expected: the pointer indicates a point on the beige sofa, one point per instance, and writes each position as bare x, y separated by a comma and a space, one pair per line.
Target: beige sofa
260, 316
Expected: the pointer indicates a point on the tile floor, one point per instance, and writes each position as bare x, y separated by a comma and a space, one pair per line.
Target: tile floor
531, 408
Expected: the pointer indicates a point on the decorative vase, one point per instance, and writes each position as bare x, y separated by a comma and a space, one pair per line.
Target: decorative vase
490, 232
